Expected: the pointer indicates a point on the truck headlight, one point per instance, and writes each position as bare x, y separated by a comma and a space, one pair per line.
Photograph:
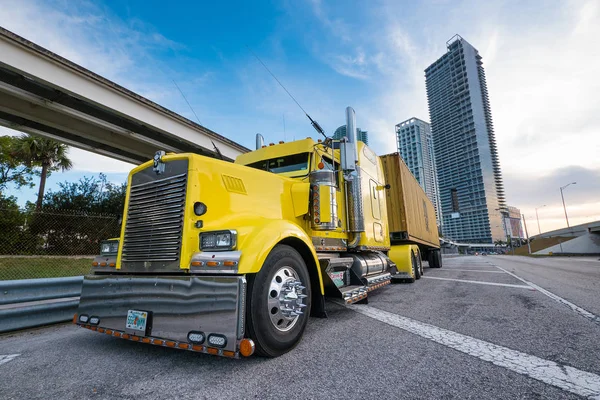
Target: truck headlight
109, 247
220, 240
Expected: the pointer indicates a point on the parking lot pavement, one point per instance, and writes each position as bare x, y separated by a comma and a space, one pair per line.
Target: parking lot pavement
436, 338
576, 279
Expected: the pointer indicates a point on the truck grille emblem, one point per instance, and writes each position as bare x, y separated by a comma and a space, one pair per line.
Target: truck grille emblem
159, 165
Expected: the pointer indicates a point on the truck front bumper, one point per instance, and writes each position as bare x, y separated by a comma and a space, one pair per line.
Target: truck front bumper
181, 311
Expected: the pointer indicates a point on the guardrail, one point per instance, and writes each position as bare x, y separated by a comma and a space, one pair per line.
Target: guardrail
28, 303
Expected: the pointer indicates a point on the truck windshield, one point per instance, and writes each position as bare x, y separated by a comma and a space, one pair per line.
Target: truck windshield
292, 165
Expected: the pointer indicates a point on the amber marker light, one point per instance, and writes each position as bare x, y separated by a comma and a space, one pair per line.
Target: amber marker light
213, 351
247, 347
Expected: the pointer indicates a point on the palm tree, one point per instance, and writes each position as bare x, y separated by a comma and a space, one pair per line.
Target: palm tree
50, 155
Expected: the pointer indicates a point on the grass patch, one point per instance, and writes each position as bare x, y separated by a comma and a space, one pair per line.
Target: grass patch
43, 267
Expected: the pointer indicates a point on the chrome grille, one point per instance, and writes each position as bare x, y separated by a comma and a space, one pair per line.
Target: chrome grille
154, 227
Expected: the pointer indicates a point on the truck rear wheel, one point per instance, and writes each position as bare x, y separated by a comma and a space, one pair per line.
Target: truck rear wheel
278, 303
435, 258
415, 266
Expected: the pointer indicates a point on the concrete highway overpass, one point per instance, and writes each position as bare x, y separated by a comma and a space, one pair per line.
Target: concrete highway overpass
578, 239
45, 94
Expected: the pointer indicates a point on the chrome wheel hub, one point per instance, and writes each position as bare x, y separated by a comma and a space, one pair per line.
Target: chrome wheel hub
286, 299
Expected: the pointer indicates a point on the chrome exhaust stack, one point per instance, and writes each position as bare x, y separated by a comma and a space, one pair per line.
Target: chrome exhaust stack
260, 141
349, 160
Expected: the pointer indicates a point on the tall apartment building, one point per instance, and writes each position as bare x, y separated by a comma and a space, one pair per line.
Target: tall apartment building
469, 177
415, 145
514, 228
340, 132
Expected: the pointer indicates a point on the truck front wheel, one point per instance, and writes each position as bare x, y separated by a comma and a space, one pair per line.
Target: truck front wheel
278, 303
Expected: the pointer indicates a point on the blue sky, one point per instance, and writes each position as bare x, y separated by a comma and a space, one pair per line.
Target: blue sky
541, 61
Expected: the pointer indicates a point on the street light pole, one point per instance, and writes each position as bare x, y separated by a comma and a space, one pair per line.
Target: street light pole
526, 234
563, 201
538, 218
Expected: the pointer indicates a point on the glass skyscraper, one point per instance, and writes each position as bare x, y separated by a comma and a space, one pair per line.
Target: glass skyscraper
361, 135
469, 177
415, 145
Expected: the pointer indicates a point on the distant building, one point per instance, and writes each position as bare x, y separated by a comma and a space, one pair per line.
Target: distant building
468, 169
340, 132
415, 145
513, 223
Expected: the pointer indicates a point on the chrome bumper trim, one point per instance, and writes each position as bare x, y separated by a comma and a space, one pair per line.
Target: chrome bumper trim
176, 304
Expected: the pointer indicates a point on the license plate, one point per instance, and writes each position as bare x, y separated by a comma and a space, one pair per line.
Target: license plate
136, 320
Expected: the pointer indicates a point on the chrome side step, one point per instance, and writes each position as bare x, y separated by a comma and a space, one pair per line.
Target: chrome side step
354, 294
377, 281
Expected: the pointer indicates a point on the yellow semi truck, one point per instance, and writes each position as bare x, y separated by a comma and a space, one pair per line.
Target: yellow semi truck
231, 259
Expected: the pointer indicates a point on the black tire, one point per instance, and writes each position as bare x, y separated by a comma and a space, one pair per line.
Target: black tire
435, 258
415, 266
269, 341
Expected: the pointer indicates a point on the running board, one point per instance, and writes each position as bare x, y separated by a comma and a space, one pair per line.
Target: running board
377, 281
354, 294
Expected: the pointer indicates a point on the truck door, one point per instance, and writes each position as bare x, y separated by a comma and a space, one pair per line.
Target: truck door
375, 200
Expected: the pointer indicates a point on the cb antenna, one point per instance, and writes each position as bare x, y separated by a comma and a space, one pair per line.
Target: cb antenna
314, 123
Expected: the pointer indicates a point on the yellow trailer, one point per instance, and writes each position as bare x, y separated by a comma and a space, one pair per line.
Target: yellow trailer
411, 216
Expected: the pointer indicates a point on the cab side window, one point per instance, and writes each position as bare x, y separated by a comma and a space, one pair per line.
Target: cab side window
332, 166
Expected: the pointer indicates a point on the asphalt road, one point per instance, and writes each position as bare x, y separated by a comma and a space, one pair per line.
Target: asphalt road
470, 330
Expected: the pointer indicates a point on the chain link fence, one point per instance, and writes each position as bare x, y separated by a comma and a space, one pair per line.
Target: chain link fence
51, 243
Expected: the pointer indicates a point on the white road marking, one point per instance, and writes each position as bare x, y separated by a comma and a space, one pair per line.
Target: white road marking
562, 376
480, 282
574, 307
8, 357
472, 270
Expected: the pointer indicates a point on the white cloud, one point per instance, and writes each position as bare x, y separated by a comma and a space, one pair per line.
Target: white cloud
85, 161
541, 61
90, 36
